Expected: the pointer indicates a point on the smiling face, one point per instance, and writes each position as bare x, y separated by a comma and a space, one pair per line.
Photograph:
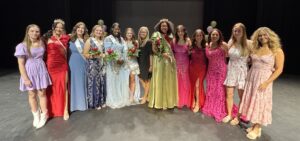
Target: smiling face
116, 31
129, 34
33, 33
143, 33
263, 37
98, 31
215, 36
198, 37
180, 32
237, 32
59, 28
80, 30
164, 27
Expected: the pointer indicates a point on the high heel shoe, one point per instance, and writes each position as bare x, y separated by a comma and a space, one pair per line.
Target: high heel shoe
252, 135
66, 116
196, 109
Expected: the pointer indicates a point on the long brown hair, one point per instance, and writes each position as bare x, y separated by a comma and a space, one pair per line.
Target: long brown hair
74, 33
203, 42
27, 40
176, 33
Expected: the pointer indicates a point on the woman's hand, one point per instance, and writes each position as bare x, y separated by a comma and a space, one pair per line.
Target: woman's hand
28, 83
262, 87
120, 62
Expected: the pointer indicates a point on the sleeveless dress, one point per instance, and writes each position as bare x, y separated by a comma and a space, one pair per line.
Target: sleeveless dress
78, 87
198, 66
215, 105
96, 78
256, 106
237, 69
134, 68
184, 87
35, 67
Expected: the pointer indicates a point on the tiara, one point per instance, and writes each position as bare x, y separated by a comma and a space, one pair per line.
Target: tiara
59, 21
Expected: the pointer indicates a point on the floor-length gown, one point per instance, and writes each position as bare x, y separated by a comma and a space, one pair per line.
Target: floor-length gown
56, 61
77, 65
182, 62
198, 67
215, 104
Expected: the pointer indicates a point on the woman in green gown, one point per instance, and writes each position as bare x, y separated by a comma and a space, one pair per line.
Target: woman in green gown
163, 93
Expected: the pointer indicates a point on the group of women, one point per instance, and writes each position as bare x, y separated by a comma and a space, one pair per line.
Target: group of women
167, 70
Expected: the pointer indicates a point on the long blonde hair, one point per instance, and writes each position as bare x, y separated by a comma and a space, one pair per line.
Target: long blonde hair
274, 40
27, 40
245, 47
143, 42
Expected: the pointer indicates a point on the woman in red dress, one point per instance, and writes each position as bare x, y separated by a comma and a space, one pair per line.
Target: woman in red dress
56, 61
198, 69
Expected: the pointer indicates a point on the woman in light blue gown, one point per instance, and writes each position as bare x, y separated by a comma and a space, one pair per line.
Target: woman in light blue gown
117, 73
77, 64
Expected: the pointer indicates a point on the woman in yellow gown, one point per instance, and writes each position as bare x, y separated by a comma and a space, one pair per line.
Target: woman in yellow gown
163, 93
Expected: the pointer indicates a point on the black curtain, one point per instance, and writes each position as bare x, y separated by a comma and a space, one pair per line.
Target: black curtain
16, 15
279, 15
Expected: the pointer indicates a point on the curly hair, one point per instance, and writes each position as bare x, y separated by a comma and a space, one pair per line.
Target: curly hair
274, 40
169, 23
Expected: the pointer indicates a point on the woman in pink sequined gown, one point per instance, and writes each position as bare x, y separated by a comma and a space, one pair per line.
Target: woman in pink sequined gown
214, 105
180, 49
198, 66
267, 64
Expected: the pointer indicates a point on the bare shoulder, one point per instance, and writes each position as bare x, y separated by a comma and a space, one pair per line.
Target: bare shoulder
279, 52
50, 41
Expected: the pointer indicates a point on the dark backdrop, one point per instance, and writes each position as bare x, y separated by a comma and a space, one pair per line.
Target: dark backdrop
280, 15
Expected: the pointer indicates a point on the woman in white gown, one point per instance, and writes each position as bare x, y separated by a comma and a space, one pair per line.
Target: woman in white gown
117, 74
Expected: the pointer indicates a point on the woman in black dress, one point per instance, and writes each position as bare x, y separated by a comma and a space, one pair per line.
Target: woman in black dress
145, 60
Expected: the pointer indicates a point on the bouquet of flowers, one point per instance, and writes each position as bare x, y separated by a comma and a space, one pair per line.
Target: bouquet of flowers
110, 55
134, 51
94, 51
161, 46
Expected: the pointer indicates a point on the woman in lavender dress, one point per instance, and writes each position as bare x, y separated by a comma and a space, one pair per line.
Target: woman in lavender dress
34, 75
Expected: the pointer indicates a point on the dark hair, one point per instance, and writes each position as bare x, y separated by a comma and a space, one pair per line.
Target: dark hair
112, 28
176, 35
221, 38
170, 25
203, 42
